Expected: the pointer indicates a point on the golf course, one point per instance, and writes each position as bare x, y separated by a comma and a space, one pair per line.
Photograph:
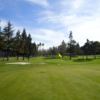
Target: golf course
50, 79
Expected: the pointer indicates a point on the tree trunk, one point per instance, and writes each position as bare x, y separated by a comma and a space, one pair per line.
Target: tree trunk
70, 57
23, 57
86, 57
3, 55
17, 56
83, 57
94, 56
7, 55
7, 58
28, 57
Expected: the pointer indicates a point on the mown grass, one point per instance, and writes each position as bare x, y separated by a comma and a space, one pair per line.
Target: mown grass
50, 79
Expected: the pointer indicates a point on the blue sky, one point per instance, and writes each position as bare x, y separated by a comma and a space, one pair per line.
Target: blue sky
49, 21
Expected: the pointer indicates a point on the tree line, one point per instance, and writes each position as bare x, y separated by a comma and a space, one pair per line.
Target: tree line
72, 49
16, 44
20, 44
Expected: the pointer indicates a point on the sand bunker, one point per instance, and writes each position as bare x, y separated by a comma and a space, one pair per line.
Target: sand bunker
19, 63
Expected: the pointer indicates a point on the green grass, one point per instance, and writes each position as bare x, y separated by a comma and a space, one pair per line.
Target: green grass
50, 79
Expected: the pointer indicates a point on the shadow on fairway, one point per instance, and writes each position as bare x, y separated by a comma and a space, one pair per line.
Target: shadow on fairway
53, 57
83, 60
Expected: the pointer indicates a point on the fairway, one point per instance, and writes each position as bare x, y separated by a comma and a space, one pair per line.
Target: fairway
50, 79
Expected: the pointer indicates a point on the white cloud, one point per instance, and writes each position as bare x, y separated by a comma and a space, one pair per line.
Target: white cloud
87, 30
47, 36
77, 3
83, 22
3, 23
43, 3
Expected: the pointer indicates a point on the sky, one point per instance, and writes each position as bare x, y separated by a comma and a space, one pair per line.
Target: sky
50, 21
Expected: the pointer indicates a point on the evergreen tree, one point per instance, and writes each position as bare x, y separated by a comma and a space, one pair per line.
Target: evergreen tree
86, 48
34, 49
53, 51
23, 43
62, 48
29, 44
70, 45
73, 47
91, 48
17, 44
1, 43
8, 37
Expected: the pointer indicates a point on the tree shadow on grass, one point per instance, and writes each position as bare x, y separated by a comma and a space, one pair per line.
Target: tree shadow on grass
83, 60
51, 57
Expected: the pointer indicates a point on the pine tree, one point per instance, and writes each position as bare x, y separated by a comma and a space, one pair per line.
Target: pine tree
62, 48
23, 43
29, 44
70, 44
8, 33
17, 44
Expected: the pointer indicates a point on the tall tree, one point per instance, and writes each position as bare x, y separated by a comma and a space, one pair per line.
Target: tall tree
62, 48
8, 33
1, 39
17, 44
77, 49
1, 43
70, 44
91, 48
29, 44
73, 47
23, 43
95, 46
87, 48
52, 51
34, 49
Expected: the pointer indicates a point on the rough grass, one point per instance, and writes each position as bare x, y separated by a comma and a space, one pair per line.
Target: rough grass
50, 79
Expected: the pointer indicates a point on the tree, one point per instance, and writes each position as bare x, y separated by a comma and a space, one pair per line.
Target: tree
52, 51
95, 48
20, 44
87, 48
23, 43
1, 39
62, 48
17, 44
29, 39
8, 33
70, 45
34, 49
78, 49
40, 45
1, 43
73, 47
